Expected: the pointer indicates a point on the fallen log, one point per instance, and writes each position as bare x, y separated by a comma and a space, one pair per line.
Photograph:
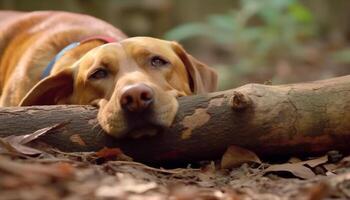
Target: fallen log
296, 119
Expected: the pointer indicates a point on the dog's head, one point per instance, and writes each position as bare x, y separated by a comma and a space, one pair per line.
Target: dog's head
134, 83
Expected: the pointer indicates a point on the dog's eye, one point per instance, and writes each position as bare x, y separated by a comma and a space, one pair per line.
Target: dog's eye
157, 61
99, 74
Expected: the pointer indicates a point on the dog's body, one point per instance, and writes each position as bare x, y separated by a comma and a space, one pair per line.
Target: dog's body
134, 81
28, 41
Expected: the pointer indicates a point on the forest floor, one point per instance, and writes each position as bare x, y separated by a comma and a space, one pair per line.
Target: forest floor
42, 172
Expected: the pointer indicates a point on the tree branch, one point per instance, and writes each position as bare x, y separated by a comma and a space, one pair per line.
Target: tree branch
296, 119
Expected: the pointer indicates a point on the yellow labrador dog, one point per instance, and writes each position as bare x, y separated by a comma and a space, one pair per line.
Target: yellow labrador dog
49, 58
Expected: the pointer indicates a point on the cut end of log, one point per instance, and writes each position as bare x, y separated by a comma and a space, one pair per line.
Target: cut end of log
240, 101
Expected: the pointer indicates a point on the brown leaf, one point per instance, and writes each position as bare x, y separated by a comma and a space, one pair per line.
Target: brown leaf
16, 143
236, 156
330, 167
17, 148
109, 153
317, 161
297, 169
6, 147
24, 139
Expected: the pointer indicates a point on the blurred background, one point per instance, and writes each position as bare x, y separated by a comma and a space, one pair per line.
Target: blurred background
261, 41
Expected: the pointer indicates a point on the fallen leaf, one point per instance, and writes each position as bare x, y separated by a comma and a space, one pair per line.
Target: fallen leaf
236, 156
24, 139
314, 162
6, 147
330, 167
330, 173
108, 152
16, 143
297, 169
17, 148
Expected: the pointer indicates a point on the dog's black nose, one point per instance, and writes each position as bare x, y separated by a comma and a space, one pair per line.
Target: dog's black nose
136, 98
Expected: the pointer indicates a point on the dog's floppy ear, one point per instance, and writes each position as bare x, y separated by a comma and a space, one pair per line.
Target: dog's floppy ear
202, 78
50, 90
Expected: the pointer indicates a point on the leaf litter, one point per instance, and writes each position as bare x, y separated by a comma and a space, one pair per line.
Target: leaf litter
17, 143
109, 174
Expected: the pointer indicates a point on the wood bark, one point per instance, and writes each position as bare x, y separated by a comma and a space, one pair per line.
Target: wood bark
296, 119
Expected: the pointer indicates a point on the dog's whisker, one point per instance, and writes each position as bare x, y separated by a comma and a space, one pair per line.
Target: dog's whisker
97, 125
100, 132
98, 129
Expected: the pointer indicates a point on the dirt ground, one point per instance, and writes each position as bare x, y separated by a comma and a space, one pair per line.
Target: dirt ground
42, 172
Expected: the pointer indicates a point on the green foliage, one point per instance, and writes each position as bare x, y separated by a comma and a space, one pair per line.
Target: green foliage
341, 56
258, 33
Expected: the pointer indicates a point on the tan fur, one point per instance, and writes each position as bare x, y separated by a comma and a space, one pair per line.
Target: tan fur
28, 41
127, 63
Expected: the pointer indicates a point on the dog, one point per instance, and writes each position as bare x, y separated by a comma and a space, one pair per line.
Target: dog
50, 58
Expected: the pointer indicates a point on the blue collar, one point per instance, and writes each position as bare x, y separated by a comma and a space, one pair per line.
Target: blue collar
49, 67
47, 70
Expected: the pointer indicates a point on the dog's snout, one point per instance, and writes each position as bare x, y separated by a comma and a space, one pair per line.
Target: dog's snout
136, 98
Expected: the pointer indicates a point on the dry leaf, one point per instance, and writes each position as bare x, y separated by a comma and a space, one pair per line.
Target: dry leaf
16, 143
330, 167
330, 173
108, 152
24, 139
17, 148
297, 169
6, 147
314, 162
236, 156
